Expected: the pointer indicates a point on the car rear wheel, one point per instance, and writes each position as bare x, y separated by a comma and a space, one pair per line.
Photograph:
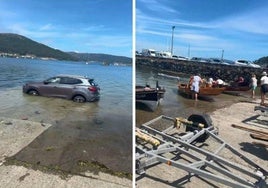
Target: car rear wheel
79, 99
33, 92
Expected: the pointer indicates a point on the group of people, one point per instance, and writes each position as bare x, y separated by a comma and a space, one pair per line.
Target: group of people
264, 86
196, 81
215, 83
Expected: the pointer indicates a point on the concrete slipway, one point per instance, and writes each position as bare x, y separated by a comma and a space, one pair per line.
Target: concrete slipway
14, 136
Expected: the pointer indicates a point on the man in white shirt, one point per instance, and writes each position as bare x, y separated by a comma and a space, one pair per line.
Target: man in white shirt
195, 85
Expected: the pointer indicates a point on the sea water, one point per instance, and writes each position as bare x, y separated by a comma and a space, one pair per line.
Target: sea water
101, 130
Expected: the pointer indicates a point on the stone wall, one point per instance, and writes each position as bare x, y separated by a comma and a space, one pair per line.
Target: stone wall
225, 72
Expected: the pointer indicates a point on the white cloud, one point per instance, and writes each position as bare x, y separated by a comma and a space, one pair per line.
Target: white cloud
162, 27
18, 28
46, 27
95, 28
237, 34
196, 37
253, 22
157, 6
109, 41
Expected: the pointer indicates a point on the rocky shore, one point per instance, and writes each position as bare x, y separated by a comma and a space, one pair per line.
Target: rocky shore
225, 72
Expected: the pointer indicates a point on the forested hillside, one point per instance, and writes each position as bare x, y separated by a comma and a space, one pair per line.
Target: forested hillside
101, 58
262, 61
17, 44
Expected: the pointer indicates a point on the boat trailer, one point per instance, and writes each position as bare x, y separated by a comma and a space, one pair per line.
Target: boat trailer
193, 145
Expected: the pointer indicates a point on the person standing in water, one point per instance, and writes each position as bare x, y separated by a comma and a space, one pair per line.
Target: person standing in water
195, 82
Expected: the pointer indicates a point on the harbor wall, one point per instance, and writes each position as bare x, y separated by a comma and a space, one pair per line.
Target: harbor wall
225, 72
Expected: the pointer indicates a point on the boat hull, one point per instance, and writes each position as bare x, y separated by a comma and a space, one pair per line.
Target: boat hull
237, 88
184, 88
149, 94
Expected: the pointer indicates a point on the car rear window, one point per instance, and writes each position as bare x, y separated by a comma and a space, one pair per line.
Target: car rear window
66, 80
91, 82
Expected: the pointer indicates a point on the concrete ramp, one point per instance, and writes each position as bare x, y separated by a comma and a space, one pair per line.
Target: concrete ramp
16, 134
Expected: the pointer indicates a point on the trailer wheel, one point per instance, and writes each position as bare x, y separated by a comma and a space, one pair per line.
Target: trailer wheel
198, 118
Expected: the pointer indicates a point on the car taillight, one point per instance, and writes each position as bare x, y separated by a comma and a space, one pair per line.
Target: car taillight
93, 89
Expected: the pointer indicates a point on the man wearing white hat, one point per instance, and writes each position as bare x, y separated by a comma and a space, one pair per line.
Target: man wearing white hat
264, 87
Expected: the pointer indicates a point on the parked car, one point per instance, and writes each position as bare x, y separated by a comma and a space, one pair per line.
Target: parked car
221, 61
228, 62
179, 57
138, 53
246, 63
215, 60
72, 87
200, 59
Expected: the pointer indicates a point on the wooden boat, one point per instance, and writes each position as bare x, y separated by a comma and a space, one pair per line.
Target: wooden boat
149, 94
237, 88
204, 90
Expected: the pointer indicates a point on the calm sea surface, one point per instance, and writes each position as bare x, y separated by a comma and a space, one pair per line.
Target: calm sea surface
114, 81
173, 104
102, 129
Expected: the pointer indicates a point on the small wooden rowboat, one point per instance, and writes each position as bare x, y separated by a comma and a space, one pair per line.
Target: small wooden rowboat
149, 94
204, 90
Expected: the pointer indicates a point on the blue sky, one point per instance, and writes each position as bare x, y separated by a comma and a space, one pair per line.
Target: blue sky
91, 26
206, 27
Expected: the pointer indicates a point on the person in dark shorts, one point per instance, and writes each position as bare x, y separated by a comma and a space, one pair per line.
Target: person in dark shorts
264, 87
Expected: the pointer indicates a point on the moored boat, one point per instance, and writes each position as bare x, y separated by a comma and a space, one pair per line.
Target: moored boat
204, 90
237, 88
149, 94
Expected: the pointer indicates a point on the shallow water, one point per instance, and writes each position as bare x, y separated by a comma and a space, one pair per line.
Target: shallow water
97, 131
173, 104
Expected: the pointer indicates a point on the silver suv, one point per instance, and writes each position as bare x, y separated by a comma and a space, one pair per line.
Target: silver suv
72, 87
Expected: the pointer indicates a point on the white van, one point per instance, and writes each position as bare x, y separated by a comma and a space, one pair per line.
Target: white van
148, 52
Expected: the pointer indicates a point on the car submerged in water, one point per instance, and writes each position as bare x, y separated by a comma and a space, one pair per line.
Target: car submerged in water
77, 88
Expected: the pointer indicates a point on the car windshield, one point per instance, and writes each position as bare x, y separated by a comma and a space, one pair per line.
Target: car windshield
53, 80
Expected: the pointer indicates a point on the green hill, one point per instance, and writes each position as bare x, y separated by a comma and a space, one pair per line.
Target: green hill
17, 44
262, 61
106, 58
21, 46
